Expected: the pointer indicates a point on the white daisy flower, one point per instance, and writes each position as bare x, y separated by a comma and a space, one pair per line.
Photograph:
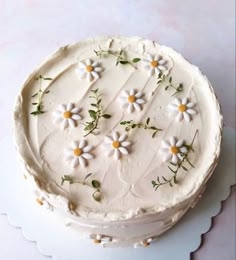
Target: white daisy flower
117, 145
78, 154
173, 150
67, 115
182, 109
132, 100
155, 64
89, 70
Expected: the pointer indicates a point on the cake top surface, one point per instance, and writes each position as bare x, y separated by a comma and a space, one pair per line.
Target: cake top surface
114, 127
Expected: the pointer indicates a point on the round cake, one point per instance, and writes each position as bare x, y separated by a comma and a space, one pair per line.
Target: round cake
118, 136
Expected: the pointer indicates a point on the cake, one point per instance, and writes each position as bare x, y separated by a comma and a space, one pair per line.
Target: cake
118, 136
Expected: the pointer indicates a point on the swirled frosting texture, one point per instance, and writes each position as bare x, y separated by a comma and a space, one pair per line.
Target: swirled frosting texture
126, 183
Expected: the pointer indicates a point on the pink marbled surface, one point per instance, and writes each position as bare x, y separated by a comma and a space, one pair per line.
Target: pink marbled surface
203, 31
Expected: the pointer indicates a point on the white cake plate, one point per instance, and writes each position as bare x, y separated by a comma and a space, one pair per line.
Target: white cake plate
62, 243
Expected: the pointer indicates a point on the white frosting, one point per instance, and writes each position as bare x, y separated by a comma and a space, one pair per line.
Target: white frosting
128, 196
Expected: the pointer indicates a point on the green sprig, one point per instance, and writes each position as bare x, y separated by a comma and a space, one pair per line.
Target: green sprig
178, 89
121, 57
94, 184
95, 113
39, 95
129, 125
160, 181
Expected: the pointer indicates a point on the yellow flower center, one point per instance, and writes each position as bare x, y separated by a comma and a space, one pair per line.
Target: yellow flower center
39, 201
67, 114
116, 144
174, 149
89, 68
131, 99
97, 241
182, 108
77, 152
154, 63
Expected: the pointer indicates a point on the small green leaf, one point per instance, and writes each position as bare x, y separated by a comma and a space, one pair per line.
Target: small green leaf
154, 134
133, 126
87, 176
89, 126
96, 184
154, 183
148, 121
164, 179
170, 79
184, 168
123, 123
97, 196
92, 114
106, 116
47, 78
166, 87
135, 60
123, 62
34, 104
48, 91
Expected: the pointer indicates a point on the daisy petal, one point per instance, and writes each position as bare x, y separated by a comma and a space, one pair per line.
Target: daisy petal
87, 148
147, 67
173, 141
161, 68
180, 116
139, 95
126, 144
165, 144
132, 92
83, 75
123, 150
174, 159
117, 154
69, 107
184, 101
173, 107
75, 162
115, 136
62, 108
164, 150
75, 145
75, 110
87, 156
157, 71
191, 111
82, 65
76, 117
108, 139
89, 76
130, 108
150, 57
82, 161
177, 101
183, 150
187, 117
69, 157
110, 152
82, 144
95, 64
64, 124
98, 69
95, 74
140, 101
71, 122
88, 62
122, 137
190, 105
167, 157
125, 93
137, 106
180, 143
151, 71
161, 62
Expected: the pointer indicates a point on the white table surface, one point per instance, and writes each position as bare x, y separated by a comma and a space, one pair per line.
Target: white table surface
203, 31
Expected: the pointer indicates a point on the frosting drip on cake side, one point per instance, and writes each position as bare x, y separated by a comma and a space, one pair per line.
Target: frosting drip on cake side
126, 183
